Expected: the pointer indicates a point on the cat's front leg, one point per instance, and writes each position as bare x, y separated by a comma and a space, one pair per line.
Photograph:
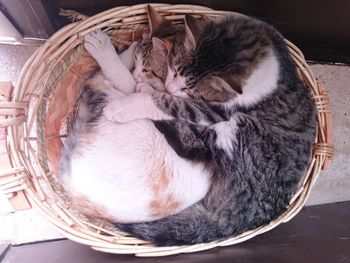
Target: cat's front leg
184, 109
99, 45
159, 106
134, 107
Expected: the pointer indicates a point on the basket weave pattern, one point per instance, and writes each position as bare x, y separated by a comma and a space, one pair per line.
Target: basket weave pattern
45, 96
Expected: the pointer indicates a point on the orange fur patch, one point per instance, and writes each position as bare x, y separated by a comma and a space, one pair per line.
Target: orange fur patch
164, 203
165, 206
86, 207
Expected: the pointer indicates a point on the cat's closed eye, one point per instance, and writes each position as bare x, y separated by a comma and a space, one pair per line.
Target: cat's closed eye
156, 75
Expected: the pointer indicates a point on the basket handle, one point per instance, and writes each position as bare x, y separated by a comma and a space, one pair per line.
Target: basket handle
12, 180
325, 146
13, 113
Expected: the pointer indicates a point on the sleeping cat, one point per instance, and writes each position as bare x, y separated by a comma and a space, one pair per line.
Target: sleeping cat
234, 85
126, 172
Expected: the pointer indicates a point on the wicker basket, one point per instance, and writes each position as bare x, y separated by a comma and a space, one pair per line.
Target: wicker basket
45, 96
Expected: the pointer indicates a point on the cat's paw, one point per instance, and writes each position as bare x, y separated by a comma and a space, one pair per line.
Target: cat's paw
123, 109
110, 110
144, 87
98, 44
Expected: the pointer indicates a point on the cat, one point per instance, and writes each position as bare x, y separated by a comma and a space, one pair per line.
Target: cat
233, 80
126, 172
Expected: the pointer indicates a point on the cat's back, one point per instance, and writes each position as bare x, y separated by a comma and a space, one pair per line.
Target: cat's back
276, 121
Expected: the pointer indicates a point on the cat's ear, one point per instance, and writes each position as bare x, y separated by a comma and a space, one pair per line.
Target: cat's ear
154, 19
194, 29
205, 18
162, 45
230, 83
158, 25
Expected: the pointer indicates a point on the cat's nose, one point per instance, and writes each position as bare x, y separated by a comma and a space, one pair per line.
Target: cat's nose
172, 87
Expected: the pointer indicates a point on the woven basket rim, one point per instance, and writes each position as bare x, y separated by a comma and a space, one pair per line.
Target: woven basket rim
30, 175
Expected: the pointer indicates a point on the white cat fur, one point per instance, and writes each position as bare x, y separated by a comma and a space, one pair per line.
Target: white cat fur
127, 170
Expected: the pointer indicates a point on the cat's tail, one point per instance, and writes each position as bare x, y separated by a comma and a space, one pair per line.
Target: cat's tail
191, 226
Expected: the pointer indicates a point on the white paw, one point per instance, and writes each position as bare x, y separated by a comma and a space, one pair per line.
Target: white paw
121, 110
109, 111
144, 87
99, 44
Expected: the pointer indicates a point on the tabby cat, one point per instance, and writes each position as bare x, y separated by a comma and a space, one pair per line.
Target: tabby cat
126, 172
251, 124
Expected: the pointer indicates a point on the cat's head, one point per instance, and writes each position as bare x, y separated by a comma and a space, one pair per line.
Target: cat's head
215, 58
151, 54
